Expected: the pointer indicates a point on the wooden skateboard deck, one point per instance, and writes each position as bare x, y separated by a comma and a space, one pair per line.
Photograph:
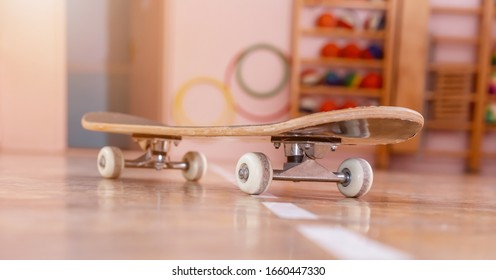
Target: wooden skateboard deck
305, 140
364, 125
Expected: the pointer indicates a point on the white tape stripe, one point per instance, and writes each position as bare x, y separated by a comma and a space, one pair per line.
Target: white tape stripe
223, 173
267, 195
289, 211
349, 245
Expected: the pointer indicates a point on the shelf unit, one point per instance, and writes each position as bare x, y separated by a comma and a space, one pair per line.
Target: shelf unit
384, 65
464, 95
485, 99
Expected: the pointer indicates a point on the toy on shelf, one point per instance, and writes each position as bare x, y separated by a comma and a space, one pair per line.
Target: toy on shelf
330, 50
328, 105
348, 20
372, 51
350, 51
326, 20
309, 105
375, 21
371, 80
333, 79
352, 80
311, 77
331, 105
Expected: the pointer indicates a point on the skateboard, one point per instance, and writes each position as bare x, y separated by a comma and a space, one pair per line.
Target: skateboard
304, 140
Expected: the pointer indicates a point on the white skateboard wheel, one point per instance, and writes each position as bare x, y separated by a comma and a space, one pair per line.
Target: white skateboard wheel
254, 173
360, 177
110, 162
197, 166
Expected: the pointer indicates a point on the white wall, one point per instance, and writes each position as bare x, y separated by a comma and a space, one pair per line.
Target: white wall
32, 75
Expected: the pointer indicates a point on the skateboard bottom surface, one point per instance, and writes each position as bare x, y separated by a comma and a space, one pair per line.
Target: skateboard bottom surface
58, 207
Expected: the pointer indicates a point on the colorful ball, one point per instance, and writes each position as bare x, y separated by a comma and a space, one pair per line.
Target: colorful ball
333, 79
352, 80
328, 105
309, 105
329, 50
371, 80
326, 20
350, 51
348, 104
376, 51
311, 77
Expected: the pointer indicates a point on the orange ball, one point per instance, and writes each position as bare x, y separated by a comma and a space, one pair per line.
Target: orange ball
348, 104
326, 20
328, 106
371, 80
329, 50
350, 51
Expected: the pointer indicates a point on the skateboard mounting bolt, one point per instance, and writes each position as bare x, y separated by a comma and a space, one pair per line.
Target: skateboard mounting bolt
334, 148
243, 172
277, 145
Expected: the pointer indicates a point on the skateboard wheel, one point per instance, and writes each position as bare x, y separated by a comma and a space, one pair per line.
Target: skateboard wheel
360, 177
254, 173
110, 162
197, 166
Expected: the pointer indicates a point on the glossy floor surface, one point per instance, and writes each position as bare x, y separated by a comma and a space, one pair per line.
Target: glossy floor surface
58, 207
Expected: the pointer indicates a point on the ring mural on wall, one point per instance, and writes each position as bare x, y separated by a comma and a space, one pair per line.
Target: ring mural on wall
231, 107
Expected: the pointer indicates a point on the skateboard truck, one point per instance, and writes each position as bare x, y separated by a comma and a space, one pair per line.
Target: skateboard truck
254, 171
111, 161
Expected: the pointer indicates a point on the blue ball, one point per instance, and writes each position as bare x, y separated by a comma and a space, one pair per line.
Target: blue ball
376, 51
332, 79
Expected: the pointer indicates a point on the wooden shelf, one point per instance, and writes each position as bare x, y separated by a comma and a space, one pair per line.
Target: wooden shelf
440, 153
438, 39
490, 127
470, 97
456, 11
350, 4
340, 91
301, 31
449, 125
491, 98
344, 33
344, 62
447, 66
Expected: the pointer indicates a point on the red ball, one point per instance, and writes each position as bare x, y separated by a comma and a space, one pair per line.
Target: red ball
366, 54
371, 80
328, 105
348, 104
326, 20
329, 50
347, 21
350, 51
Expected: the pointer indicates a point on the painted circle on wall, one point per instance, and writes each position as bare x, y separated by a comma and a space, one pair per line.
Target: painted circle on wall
251, 89
227, 115
234, 65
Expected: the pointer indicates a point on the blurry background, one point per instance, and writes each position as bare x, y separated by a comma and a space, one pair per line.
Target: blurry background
180, 62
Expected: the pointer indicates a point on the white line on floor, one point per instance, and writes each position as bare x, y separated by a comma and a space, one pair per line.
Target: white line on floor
267, 196
290, 211
346, 244
229, 176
